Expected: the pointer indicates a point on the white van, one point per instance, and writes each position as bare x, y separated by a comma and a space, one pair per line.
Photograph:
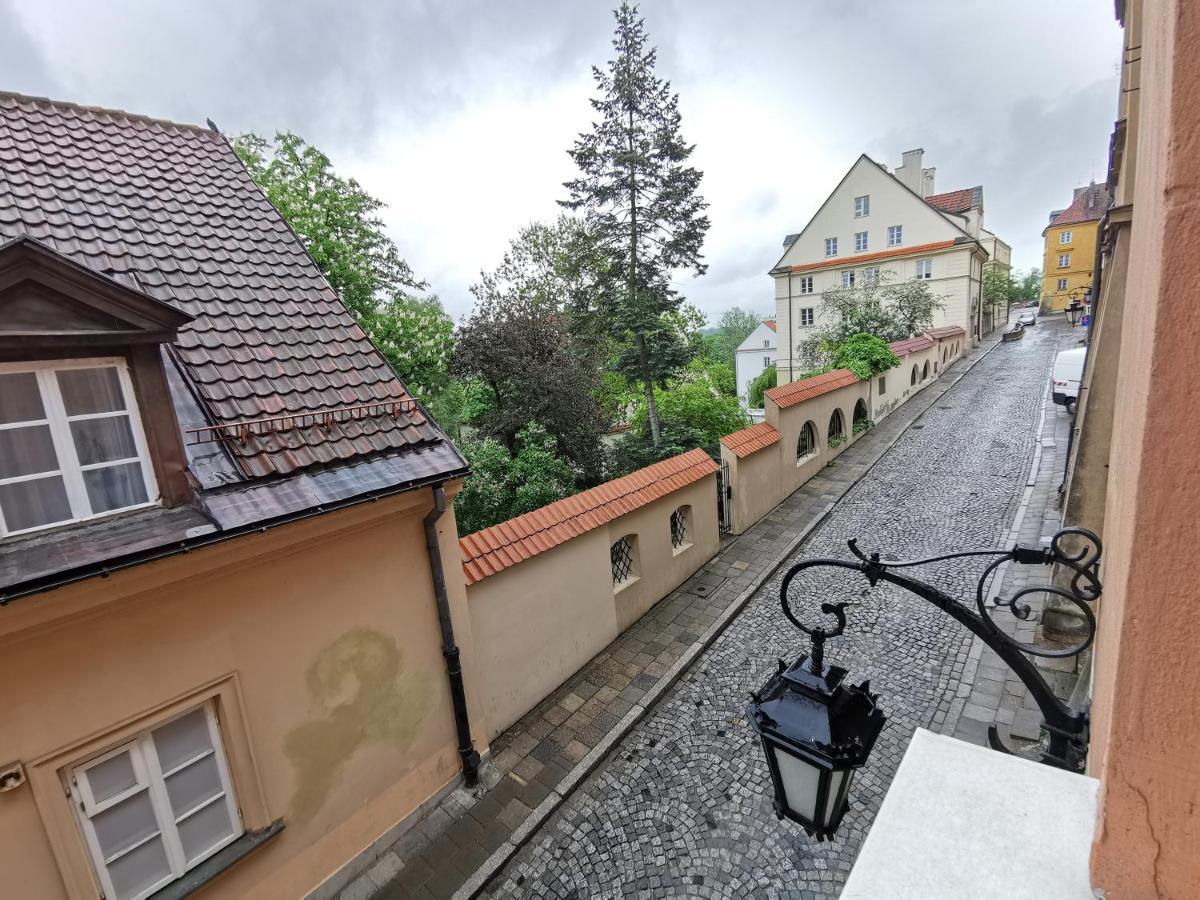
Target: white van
1068, 371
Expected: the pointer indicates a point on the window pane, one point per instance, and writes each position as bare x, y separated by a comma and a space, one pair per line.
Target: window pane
103, 440
181, 740
140, 870
28, 504
115, 487
90, 390
190, 787
205, 829
120, 827
26, 451
20, 400
111, 777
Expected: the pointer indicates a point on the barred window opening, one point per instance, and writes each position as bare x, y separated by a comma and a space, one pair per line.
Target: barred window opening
621, 557
679, 526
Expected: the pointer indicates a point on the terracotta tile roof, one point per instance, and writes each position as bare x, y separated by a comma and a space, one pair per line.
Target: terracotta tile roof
797, 391
846, 262
1089, 205
945, 331
770, 323
912, 345
750, 440
171, 208
957, 201
495, 549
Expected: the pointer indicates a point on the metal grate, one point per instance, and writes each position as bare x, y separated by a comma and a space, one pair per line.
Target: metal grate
621, 557
679, 526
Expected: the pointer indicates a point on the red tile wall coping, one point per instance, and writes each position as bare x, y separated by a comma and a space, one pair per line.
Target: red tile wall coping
750, 440
945, 331
912, 345
502, 546
798, 391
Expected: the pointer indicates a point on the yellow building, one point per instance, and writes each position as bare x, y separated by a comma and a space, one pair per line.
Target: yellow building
1071, 248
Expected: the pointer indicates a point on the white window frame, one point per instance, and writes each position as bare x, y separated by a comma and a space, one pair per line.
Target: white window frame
862, 206
1064, 237
69, 467
806, 284
1062, 284
871, 273
847, 278
924, 269
861, 241
895, 235
1064, 260
807, 316
831, 246
152, 779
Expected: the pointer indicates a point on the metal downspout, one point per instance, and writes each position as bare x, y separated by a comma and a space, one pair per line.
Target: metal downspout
458, 696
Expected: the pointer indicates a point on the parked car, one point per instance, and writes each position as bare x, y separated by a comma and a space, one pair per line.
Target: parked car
1029, 317
1068, 371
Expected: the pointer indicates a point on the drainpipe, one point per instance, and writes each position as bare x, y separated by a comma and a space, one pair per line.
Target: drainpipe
458, 696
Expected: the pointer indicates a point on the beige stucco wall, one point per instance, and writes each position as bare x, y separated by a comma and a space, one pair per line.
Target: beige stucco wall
755, 488
1146, 692
319, 643
538, 622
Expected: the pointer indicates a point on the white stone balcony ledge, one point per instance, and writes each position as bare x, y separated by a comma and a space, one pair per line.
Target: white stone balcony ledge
962, 821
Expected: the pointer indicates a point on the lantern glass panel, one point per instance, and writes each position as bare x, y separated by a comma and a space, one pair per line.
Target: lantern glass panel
800, 782
838, 782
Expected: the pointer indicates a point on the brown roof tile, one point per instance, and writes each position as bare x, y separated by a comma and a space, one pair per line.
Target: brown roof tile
1089, 205
957, 201
750, 440
945, 331
797, 391
912, 345
174, 207
494, 549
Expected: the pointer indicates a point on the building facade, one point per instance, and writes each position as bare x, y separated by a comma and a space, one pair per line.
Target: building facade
1070, 248
882, 225
754, 356
232, 611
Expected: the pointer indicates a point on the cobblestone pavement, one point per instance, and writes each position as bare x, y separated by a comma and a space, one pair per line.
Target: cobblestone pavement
682, 807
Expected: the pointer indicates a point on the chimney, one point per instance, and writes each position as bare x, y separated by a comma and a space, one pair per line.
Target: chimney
912, 176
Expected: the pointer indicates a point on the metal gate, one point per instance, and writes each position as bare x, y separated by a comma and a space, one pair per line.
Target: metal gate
724, 493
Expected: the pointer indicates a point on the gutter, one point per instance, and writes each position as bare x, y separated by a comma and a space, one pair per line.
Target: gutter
104, 569
458, 696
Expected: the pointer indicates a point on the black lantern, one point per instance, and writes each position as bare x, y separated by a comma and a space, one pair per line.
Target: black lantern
815, 732
1074, 311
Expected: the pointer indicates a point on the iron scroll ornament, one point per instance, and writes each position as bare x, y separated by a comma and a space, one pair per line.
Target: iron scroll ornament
1067, 728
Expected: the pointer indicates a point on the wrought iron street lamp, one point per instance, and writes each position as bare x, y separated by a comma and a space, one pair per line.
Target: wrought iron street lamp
816, 729
1074, 311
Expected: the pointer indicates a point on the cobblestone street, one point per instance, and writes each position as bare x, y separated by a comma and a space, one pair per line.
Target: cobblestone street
682, 806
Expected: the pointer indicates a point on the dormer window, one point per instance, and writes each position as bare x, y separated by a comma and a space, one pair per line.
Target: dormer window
71, 444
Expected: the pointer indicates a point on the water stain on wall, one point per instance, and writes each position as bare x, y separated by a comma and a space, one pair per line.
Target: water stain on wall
362, 695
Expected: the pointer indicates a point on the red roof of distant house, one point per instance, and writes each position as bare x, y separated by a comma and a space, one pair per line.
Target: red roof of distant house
957, 201
770, 323
842, 262
945, 331
1089, 205
750, 440
797, 391
912, 345
501, 546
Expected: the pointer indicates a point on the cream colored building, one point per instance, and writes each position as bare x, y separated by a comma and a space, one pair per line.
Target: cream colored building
880, 223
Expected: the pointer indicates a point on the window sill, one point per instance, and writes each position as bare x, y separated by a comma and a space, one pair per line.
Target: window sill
216, 864
682, 548
627, 583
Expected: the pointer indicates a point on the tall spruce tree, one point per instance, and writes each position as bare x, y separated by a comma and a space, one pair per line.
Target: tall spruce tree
642, 206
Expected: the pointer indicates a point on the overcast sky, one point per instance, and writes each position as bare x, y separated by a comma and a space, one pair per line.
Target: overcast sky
458, 113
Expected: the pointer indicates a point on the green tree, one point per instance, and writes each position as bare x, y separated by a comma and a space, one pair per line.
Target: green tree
736, 324
865, 355
521, 349
886, 307
1030, 286
339, 224
506, 484
642, 208
762, 383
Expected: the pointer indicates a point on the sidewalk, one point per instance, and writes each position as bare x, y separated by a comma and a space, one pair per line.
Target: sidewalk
537, 762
